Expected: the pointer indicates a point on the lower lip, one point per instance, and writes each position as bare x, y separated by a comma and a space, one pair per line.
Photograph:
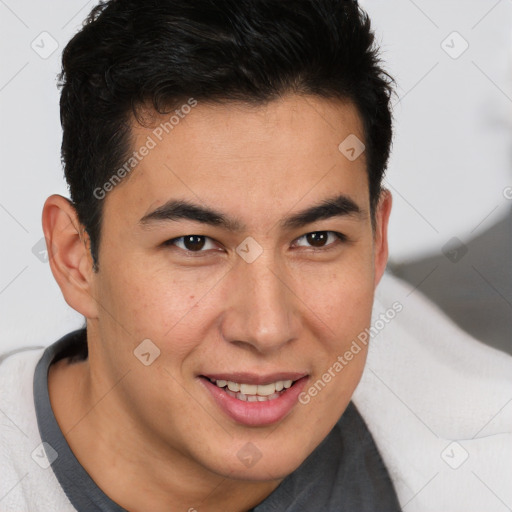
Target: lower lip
256, 414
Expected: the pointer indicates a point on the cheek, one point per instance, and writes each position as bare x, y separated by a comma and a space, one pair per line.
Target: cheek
341, 296
170, 308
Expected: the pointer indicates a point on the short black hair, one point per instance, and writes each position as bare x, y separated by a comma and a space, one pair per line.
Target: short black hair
161, 53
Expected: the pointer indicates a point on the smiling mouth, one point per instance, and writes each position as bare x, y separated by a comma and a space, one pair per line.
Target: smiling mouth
253, 392
253, 399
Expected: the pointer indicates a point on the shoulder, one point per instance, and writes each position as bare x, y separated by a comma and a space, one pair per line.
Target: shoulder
439, 405
27, 482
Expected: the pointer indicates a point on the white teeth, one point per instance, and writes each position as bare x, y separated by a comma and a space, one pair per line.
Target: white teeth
267, 389
233, 386
253, 392
248, 389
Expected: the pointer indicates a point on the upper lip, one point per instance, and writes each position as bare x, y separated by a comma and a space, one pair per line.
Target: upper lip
254, 378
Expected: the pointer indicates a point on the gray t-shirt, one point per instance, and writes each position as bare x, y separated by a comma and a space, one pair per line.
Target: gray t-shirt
344, 473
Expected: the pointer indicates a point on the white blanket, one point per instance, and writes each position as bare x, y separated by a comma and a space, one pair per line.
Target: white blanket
439, 405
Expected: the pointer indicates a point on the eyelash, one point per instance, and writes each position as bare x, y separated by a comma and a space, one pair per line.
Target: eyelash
340, 238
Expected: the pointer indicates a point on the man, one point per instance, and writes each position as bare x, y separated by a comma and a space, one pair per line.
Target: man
226, 232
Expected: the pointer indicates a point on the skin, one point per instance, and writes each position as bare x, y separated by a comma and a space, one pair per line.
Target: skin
151, 436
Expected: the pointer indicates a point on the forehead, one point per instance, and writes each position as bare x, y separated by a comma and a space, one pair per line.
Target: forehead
246, 157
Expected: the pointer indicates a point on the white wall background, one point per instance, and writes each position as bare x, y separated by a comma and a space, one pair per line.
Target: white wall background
449, 171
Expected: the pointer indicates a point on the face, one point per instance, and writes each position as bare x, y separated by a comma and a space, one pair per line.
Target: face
242, 247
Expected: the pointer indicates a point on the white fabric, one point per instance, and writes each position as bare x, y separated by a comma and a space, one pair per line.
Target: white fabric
428, 384
430, 394
27, 484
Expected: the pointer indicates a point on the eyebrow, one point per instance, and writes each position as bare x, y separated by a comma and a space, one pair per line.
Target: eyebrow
176, 209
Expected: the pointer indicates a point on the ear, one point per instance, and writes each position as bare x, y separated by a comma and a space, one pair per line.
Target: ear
381, 234
69, 255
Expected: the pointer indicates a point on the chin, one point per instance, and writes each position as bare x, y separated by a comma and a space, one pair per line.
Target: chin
262, 471
252, 464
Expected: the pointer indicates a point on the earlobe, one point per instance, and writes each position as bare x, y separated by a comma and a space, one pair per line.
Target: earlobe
68, 254
381, 234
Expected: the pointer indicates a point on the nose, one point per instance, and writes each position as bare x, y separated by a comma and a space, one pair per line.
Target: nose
262, 309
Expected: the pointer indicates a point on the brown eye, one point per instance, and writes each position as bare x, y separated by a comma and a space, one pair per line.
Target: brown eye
317, 239
320, 239
194, 242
